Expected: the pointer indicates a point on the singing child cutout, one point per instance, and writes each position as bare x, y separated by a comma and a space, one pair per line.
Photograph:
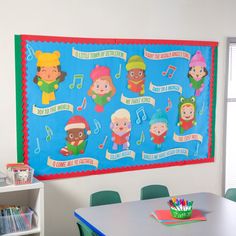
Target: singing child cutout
102, 88
158, 128
136, 74
197, 72
121, 127
49, 74
77, 129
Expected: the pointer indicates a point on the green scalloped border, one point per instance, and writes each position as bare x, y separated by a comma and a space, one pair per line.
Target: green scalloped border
19, 108
214, 101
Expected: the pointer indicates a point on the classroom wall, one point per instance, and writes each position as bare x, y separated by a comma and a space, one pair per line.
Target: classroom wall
211, 20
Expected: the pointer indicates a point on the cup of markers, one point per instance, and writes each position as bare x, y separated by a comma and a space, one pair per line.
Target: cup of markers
180, 208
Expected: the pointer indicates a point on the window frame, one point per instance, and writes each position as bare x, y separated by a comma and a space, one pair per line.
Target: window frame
230, 40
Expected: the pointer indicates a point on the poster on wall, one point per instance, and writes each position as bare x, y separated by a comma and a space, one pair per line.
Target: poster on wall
94, 106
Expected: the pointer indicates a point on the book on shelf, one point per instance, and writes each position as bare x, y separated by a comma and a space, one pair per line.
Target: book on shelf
15, 218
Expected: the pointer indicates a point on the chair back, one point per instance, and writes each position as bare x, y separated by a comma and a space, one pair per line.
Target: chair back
104, 198
84, 230
154, 191
231, 194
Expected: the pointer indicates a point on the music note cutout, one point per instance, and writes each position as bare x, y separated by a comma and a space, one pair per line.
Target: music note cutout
141, 140
197, 148
30, 52
141, 115
169, 105
80, 78
170, 71
83, 105
101, 146
37, 149
97, 125
117, 75
202, 109
49, 133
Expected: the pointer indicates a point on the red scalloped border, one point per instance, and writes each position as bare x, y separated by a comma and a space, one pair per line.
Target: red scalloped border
113, 41
121, 169
117, 41
24, 103
211, 103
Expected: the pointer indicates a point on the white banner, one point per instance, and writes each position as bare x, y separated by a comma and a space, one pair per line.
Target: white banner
166, 55
137, 100
187, 138
120, 155
99, 54
166, 88
161, 155
53, 109
75, 162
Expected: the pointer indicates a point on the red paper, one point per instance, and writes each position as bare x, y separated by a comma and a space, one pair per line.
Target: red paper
165, 216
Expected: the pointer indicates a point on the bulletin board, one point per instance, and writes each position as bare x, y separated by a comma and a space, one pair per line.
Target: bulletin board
92, 106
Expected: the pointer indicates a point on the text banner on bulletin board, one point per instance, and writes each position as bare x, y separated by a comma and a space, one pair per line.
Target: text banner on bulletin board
94, 106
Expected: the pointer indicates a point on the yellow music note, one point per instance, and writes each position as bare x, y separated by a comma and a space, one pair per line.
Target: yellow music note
117, 75
49, 133
141, 140
79, 77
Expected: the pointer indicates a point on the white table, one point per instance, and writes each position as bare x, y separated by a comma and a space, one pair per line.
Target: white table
133, 218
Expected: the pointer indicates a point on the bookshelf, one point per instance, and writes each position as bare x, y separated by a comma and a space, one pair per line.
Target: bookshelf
31, 195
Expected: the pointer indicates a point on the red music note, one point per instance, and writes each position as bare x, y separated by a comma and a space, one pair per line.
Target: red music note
83, 105
169, 105
170, 71
101, 146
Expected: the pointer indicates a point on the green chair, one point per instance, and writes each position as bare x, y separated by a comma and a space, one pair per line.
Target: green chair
154, 191
104, 198
84, 230
231, 194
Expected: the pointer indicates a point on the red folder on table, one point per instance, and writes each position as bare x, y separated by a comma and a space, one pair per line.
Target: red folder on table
165, 217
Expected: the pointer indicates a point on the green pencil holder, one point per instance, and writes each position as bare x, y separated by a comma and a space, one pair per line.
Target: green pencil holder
181, 214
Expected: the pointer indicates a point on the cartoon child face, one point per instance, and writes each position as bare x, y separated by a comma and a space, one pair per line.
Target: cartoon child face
120, 125
187, 112
158, 128
49, 74
197, 72
101, 86
136, 74
75, 135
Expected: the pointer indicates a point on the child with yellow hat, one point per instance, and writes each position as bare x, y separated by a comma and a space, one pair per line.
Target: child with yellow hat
49, 74
136, 74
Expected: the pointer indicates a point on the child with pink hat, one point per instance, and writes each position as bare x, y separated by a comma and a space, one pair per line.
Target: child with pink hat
197, 72
102, 88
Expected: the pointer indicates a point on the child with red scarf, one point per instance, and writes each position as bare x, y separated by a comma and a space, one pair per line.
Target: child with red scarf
121, 127
158, 128
136, 74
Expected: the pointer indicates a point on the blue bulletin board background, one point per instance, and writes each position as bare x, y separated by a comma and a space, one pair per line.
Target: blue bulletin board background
164, 94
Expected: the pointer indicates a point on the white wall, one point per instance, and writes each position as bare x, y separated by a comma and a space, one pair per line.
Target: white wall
157, 19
